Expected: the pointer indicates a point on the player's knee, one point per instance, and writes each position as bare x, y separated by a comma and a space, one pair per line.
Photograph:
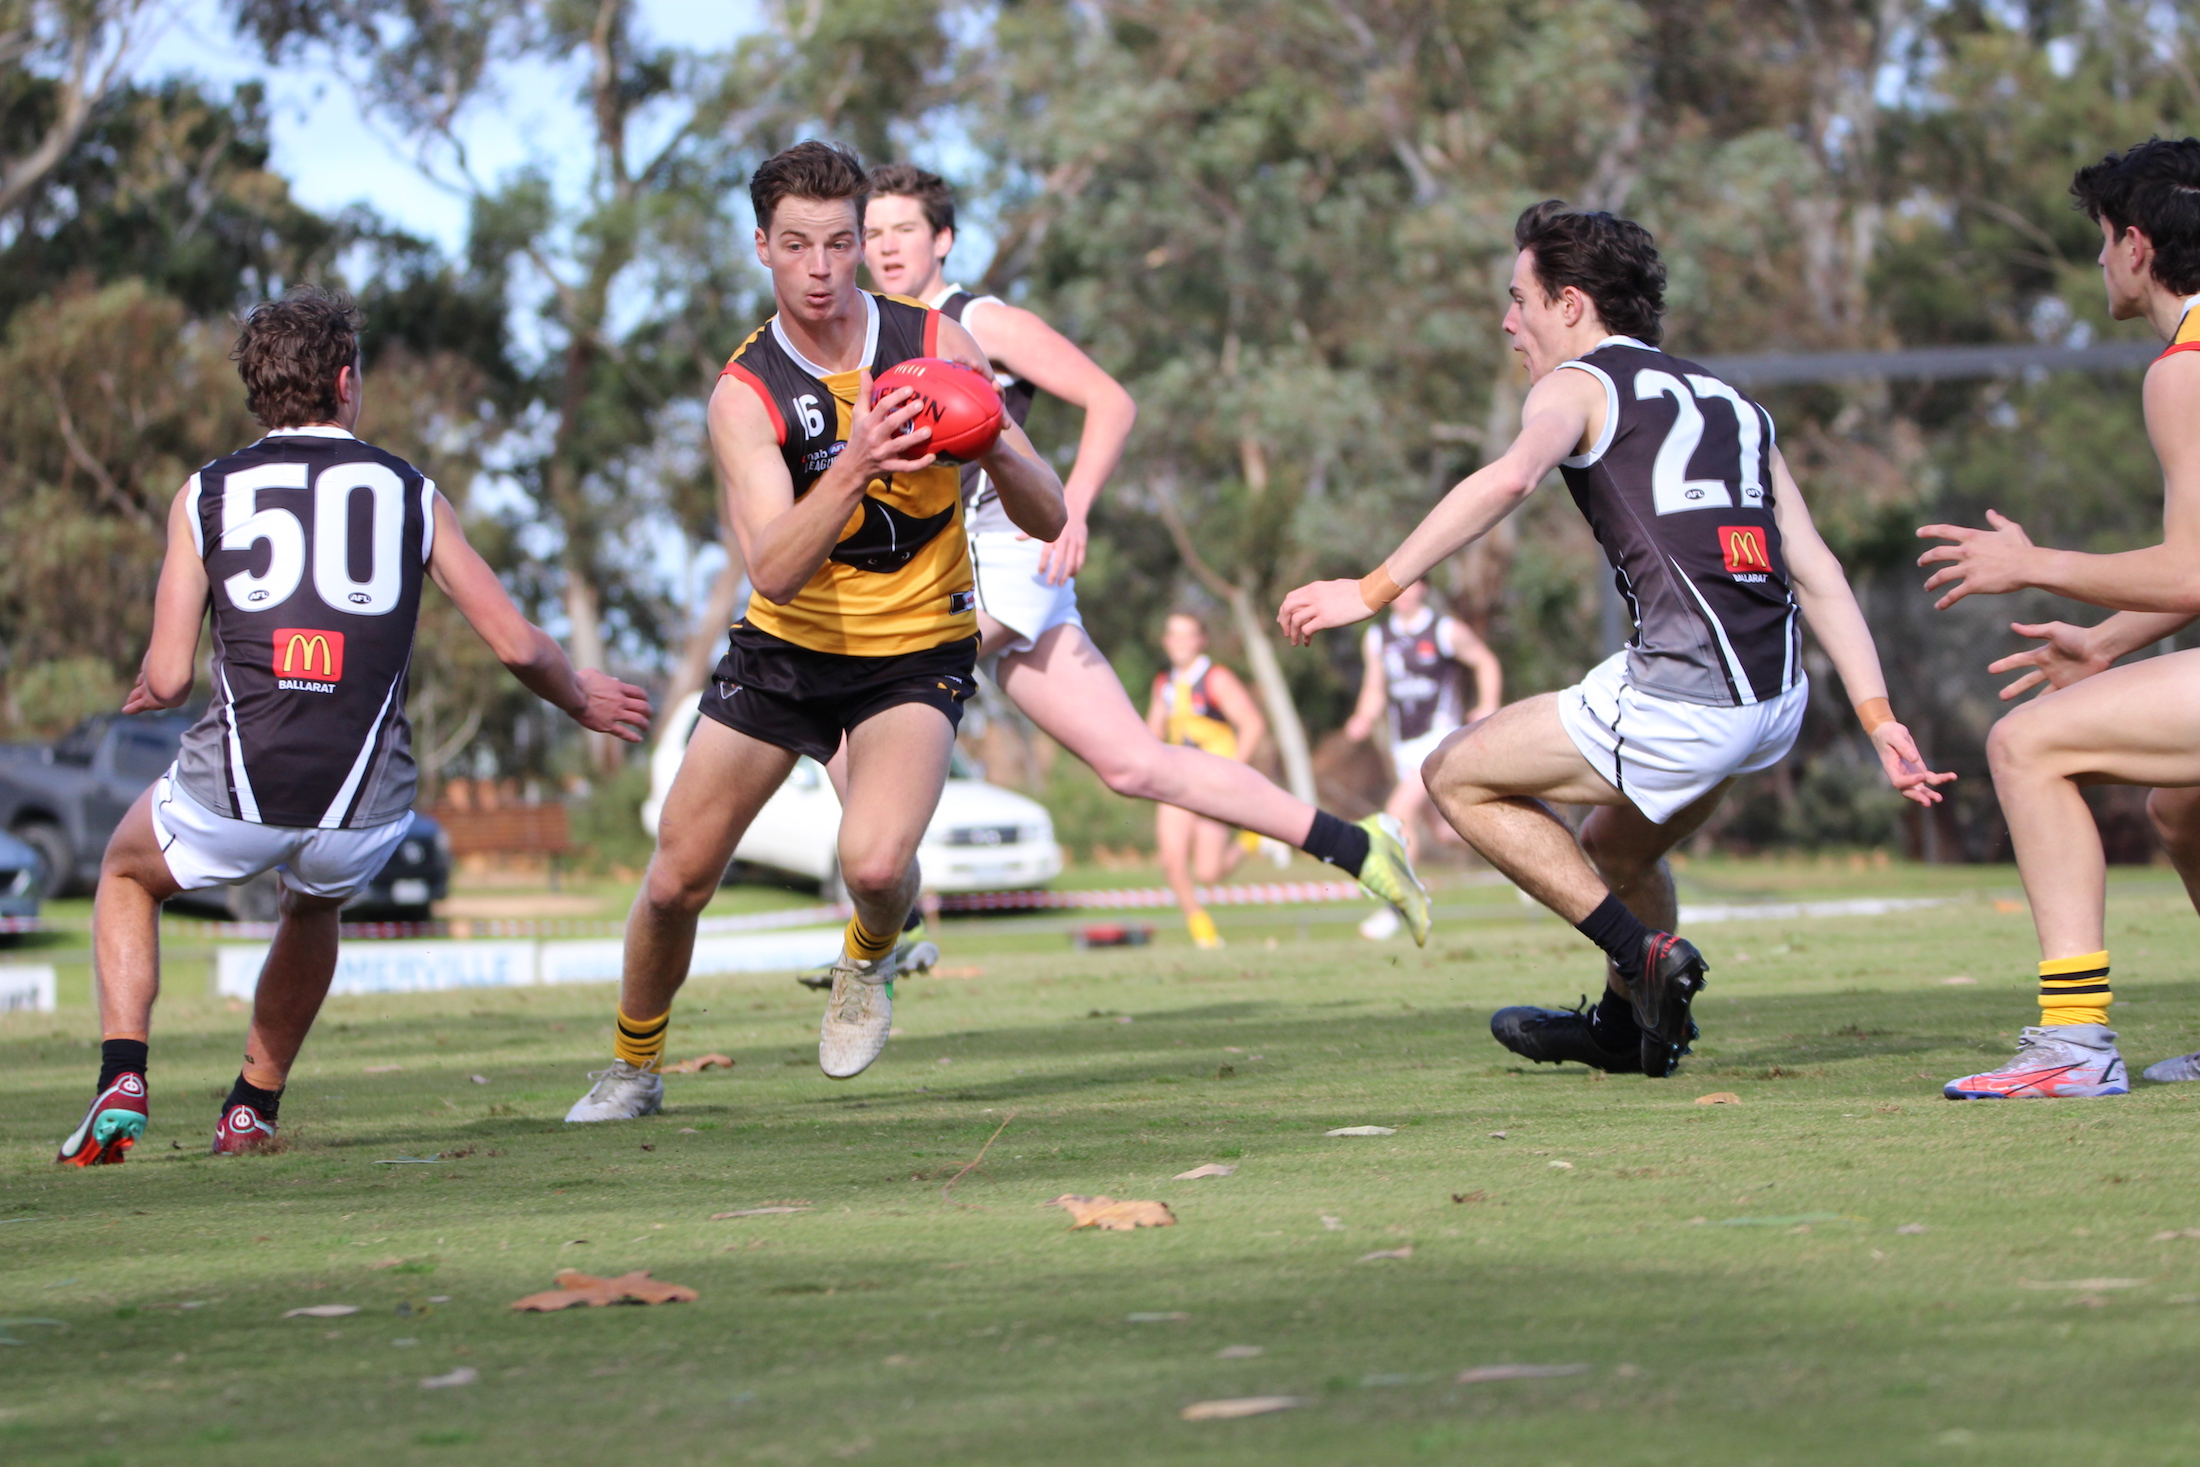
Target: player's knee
1133, 773
2175, 815
2014, 744
872, 876
670, 889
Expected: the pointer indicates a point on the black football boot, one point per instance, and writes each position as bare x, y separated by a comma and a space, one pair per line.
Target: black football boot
1557, 1036
1665, 981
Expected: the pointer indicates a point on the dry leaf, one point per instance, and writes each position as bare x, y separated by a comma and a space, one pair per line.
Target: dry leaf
1497, 1135
755, 1212
1238, 1352
2166, 1236
464, 1375
1405, 1252
2089, 1285
967, 970
1242, 1406
1470, 1196
1363, 1131
575, 1287
1112, 1216
1960, 980
479, 1079
1910, 1230
1211, 1169
321, 1311
1481, 1373
697, 1065
1332, 1224
383, 1069
2004, 905
1562, 1166
1719, 1097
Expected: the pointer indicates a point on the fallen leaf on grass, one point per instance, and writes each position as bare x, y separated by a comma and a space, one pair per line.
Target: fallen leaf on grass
464, 1375
968, 970
1910, 1230
321, 1311
2170, 1233
2005, 905
1241, 1406
1562, 1166
1171, 1316
1211, 1169
1405, 1252
1361, 1131
1470, 1196
1960, 980
755, 1212
1482, 1373
1112, 1216
383, 1069
697, 1065
1332, 1224
575, 1287
479, 1079
2089, 1285
1719, 1097
1238, 1352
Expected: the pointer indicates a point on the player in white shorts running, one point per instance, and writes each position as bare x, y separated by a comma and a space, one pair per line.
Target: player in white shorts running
1715, 552
1430, 674
303, 762
1027, 597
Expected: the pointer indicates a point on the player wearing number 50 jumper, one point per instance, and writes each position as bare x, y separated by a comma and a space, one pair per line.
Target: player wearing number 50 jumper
1711, 545
310, 548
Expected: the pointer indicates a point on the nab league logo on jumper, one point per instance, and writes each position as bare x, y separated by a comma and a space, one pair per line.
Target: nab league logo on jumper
1743, 546
308, 660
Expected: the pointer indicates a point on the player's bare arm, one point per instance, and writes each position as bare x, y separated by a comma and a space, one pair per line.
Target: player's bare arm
593, 699
2159, 578
1829, 606
2068, 654
1027, 346
783, 539
179, 609
1030, 490
1238, 710
1374, 697
1473, 653
1563, 415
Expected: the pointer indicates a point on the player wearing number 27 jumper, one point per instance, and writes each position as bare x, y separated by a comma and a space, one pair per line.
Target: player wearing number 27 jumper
1713, 549
311, 549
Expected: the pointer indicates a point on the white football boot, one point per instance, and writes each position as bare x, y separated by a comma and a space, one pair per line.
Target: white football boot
622, 1093
860, 1013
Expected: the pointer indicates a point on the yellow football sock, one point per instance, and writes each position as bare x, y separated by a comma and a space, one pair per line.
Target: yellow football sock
1202, 928
862, 946
1249, 842
640, 1042
2075, 990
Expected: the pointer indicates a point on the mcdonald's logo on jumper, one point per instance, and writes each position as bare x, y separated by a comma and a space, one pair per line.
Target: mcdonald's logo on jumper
1744, 549
308, 659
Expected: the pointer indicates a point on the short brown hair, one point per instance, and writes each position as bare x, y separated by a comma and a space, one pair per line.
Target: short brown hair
1611, 260
908, 181
2154, 187
808, 170
289, 351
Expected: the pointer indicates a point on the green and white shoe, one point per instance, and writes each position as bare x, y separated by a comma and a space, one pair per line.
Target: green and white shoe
1388, 873
622, 1093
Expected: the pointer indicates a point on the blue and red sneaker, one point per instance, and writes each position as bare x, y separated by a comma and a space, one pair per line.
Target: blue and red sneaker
242, 1129
111, 1127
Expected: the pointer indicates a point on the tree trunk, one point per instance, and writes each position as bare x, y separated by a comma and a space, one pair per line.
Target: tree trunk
1275, 696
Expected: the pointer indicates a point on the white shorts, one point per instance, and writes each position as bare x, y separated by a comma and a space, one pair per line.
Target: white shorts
1664, 754
1012, 592
1408, 757
205, 849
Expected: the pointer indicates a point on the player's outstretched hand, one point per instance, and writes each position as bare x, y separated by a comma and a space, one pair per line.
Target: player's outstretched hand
141, 699
2065, 655
615, 708
1064, 555
880, 440
1318, 606
1989, 562
1905, 766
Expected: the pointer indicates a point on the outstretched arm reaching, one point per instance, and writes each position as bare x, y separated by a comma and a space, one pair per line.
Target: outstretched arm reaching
1822, 589
179, 609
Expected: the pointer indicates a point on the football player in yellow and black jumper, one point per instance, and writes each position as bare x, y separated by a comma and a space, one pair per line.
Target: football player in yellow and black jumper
1199, 704
862, 626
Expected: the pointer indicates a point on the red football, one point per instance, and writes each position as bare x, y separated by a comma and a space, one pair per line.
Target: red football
960, 405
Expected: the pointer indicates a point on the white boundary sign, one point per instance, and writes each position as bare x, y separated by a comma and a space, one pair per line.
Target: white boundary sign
440, 965
26, 989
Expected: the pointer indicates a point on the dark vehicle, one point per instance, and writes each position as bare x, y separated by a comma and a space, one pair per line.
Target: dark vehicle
65, 800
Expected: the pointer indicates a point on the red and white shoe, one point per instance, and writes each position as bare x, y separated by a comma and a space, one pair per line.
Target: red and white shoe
241, 1130
2065, 1062
111, 1127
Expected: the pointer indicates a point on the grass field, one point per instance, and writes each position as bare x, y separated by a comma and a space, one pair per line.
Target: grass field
1841, 1268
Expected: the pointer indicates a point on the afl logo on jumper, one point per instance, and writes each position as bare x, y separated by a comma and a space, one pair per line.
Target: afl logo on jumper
308, 660
1743, 546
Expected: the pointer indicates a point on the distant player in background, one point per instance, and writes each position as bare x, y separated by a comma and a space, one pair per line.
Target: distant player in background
1027, 599
1198, 704
2099, 723
1711, 543
1431, 674
303, 762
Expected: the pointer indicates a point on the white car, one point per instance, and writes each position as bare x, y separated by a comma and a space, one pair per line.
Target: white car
982, 837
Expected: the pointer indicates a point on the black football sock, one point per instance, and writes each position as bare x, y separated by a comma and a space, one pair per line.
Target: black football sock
244, 1092
1338, 842
120, 1057
914, 920
1618, 931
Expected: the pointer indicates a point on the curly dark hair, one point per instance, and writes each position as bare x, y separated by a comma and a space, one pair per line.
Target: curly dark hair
907, 180
1612, 261
808, 170
2154, 188
289, 351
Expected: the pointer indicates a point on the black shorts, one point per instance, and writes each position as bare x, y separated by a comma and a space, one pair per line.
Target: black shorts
805, 701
